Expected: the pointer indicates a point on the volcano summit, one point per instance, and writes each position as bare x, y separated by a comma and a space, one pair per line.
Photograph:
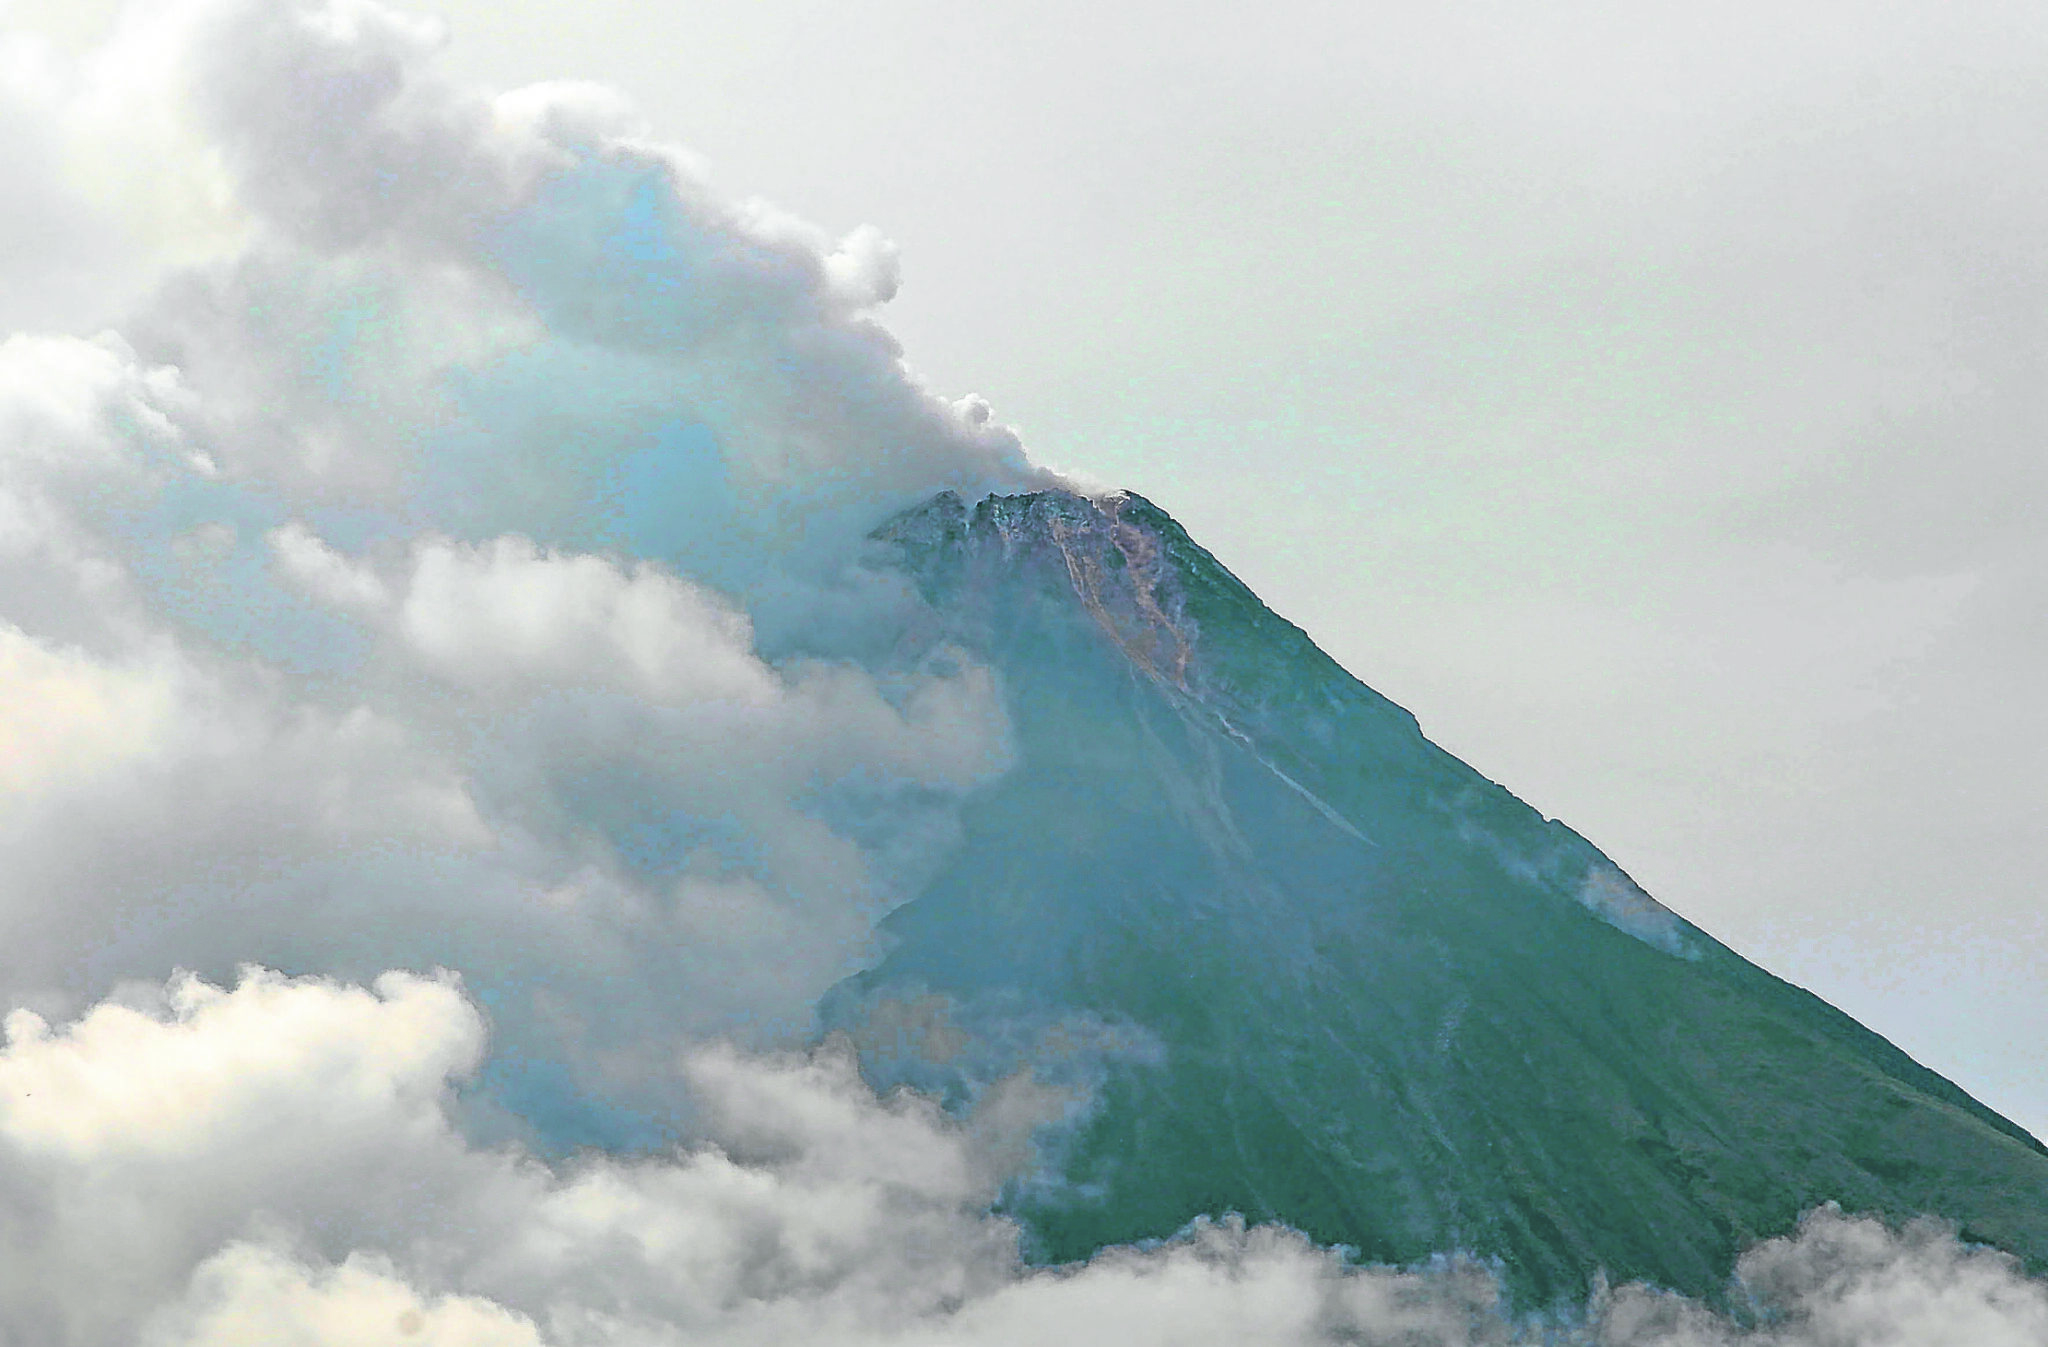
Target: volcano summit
1311, 968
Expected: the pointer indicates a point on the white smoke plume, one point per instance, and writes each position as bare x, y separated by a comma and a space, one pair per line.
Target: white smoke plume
429, 538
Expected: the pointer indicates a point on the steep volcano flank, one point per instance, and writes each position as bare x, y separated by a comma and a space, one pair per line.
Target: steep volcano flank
1336, 978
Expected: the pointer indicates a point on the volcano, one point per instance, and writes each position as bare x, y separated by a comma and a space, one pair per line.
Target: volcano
1291, 960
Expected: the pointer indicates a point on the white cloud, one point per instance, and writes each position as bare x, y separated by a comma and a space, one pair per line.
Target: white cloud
508, 613
1853, 1281
384, 591
273, 1131
67, 718
250, 1294
277, 1163
573, 777
228, 1069
324, 573
567, 771
87, 435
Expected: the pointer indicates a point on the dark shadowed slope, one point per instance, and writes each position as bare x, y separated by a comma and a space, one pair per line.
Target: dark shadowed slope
1317, 970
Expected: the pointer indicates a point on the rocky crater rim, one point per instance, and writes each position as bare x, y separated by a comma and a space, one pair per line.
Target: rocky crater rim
1108, 547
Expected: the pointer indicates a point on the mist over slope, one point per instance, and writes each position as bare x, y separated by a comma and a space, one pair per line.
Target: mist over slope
452, 733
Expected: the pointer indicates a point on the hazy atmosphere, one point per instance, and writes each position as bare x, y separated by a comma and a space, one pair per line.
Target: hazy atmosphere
1645, 396
441, 697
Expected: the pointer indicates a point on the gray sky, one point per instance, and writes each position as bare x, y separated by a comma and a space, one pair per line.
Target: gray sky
1646, 396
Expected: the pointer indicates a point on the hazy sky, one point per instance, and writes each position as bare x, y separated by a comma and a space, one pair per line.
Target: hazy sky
1650, 397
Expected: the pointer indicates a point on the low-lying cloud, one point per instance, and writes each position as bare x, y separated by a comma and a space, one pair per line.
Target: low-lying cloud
279, 1162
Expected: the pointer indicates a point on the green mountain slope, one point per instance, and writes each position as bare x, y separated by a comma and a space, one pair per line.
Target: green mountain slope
1314, 969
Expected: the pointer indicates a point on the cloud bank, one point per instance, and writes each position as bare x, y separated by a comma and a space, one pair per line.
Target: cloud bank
449, 555
430, 538
278, 1162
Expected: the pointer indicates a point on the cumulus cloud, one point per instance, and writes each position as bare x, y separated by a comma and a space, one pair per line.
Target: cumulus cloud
284, 1153
507, 613
314, 567
1849, 1280
388, 586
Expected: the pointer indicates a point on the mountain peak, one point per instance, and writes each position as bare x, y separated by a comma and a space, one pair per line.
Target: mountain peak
1314, 969
1114, 553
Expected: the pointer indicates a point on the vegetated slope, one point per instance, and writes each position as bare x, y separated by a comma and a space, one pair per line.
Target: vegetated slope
1313, 969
